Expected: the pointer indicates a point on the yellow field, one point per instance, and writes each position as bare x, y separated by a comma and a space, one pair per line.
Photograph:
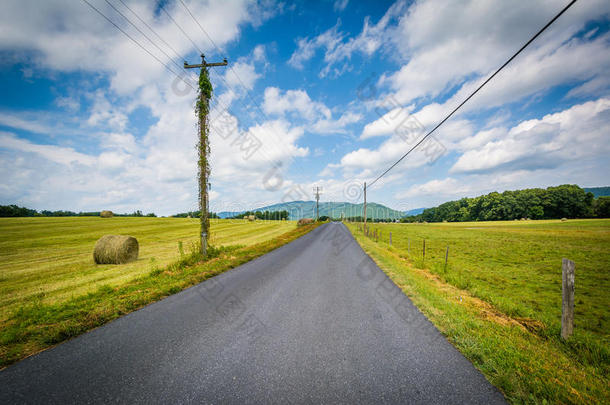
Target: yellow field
51, 258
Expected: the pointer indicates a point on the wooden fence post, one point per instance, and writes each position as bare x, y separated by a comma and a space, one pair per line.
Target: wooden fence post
567, 300
446, 257
390, 238
409, 246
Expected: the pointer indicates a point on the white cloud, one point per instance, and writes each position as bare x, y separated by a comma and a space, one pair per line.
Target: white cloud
578, 132
439, 188
299, 106
293, 101
104, 113
365, 162
153, 172
442, 50
57, 154
76, 38
241, 75
329, 126
337, 51
306, 48
340, 5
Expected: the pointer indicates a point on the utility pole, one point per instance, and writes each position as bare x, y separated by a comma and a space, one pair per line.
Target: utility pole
317, 190
202, 109
364, 205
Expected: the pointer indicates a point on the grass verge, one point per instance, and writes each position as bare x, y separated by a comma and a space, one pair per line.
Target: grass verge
38, 326
520, 356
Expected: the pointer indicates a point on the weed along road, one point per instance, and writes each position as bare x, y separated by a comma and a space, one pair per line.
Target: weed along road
315, 321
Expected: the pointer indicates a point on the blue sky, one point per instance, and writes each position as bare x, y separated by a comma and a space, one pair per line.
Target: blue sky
326, 93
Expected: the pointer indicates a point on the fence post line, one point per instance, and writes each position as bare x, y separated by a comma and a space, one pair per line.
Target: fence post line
567, 298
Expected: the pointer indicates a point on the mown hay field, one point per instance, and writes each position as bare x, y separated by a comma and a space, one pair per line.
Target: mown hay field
52, 258
499, 298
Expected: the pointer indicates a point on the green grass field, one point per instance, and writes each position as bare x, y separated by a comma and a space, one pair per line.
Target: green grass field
499, 299
50, 288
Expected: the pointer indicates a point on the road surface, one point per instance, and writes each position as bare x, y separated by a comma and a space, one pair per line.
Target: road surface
315, 321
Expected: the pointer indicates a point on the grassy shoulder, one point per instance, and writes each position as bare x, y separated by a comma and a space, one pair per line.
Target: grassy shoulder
521, 355
38, 325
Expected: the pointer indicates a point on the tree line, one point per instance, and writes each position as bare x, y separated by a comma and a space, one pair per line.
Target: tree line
16, 211
195, 214
565, 201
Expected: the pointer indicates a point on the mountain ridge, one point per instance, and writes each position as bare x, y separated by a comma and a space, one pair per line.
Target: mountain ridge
307, 209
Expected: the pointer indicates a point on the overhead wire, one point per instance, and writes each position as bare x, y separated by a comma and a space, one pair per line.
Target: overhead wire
475, 91
137, 43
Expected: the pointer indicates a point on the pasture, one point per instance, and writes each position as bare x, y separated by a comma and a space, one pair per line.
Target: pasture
499, 298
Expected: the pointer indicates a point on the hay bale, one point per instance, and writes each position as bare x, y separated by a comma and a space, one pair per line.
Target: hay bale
305, 221
106, 214
115, 249
564, 219
251, 217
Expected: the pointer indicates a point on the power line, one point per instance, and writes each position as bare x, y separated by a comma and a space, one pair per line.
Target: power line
137, 43
180, 28
145, 36
150, 53
153, 31
230, 66
476, 91
221, 54
220, 77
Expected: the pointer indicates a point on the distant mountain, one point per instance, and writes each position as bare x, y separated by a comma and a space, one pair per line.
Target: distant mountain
307, 209
598, 191
415, 211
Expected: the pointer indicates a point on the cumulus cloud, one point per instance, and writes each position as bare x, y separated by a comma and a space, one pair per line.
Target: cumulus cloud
300, 107
293, 101
444, 187
340, 5
580, 131
442, 51
110, 167
338, 50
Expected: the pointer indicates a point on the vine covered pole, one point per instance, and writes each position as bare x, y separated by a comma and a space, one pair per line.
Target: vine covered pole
202, 109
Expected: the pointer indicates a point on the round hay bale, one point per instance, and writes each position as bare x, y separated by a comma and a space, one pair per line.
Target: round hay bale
564, 219
115, 249
305, 221
106, 214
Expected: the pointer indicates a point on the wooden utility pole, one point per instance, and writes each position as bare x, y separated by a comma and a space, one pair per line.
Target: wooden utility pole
364, 214
317, 190
205, 93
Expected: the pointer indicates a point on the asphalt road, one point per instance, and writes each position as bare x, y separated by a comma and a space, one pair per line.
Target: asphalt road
315, 321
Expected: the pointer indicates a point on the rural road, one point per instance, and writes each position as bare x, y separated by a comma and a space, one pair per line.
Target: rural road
315, 321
